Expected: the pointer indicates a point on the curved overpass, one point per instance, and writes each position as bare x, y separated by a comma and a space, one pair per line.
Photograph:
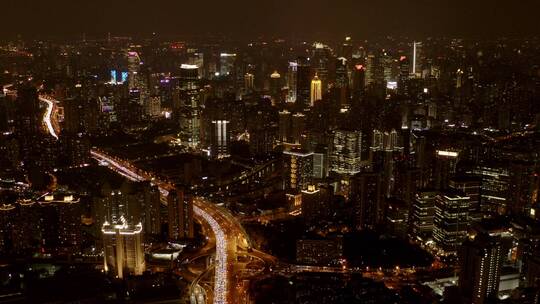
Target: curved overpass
227, 230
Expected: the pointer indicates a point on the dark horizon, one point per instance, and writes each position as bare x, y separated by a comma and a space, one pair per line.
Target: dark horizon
246, 19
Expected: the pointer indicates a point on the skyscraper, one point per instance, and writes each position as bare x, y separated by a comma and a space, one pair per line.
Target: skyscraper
221, 137
299, 169
366, 195
123, 248
275, 88
303, 83
292, 81
316, 90
226, 63
422, 216
451, 221
417, 60
480, 261
249, 80
190, 106
346, 152
180, 209
134, 62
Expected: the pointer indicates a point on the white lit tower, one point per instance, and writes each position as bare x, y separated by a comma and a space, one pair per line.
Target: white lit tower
134, 67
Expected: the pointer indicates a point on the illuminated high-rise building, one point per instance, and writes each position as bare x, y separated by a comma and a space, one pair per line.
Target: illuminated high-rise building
180, 209
417, 59
374, 70
342, 82
190, 106
292, 81
221, 137
303, 83
494, 195
384, 150
403, 75
358, 80
249, 80
123, 248
445, 167
423, 215
285, 131
134, 67
153, 106
316, 90
275, 88
480, 260
299, 171
226, 63
451, 221
346, 157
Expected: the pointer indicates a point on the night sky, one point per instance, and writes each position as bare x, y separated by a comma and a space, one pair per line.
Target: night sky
243, 18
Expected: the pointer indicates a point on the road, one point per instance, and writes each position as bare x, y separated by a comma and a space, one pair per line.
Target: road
228, 232
48, 116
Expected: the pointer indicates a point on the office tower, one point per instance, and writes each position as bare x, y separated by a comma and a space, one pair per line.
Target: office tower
123, 248
417, 60
113, 203
451, 221
153, 106
389, 69
470, 186
292, 75
346, 157
404, 75
367, 196
445, 167
299, 169
480, 262
316, 87
249, 80
275, 88
342, 82
320, 162
383, 152
347, 48
423, 215
134, 67
320, 62
68, 215
298, 126
180, 209
196, 58
303, 83
226, 63
374, 70
190, 106
495, 188
148, 198
317, 202
397, 217
358, 80
81, 115
221, 137
285, 132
